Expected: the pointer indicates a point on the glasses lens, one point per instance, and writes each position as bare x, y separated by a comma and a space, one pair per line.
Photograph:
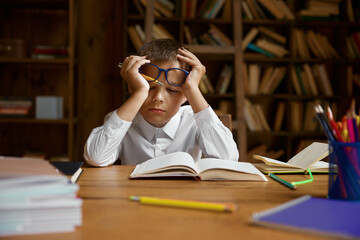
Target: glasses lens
150, 70
176, 77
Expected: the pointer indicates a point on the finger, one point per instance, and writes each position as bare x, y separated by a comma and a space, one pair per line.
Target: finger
187, 53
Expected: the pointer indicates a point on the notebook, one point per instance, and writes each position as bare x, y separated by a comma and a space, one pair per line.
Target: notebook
72, 169
314, 215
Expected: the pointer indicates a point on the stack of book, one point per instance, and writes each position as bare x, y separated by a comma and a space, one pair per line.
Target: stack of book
36, 198
50, 52
15, 107
266, 42
321, 10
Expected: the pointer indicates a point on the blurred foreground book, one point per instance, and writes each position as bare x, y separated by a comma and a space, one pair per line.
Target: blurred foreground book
36, 198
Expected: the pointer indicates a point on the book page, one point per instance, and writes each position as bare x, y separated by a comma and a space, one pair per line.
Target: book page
170, 161
311, 154
213, 163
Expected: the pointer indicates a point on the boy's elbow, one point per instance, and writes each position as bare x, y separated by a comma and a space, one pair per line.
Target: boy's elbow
93, 161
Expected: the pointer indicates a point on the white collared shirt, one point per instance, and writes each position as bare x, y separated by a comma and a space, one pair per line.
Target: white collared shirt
137, 141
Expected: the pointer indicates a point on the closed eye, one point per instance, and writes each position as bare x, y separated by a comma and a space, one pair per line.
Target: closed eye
172, 90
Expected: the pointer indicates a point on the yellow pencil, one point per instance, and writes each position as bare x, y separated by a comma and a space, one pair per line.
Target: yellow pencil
147, 78
223, 207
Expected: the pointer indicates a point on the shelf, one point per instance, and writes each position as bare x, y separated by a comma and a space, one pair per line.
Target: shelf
36, 4
33, 120
287, 134
210, 49
31, 60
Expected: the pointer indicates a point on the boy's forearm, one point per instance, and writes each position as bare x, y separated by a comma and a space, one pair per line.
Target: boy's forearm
131, 106
196, 99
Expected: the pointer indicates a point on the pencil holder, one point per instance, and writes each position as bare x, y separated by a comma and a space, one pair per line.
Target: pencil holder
344, 171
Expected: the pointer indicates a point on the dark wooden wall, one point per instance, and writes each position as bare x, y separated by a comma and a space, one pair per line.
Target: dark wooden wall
98, 40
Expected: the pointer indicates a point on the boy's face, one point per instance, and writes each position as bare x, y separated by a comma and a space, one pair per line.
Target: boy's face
163, 102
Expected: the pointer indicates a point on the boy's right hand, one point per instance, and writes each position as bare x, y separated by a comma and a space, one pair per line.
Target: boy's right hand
130, 73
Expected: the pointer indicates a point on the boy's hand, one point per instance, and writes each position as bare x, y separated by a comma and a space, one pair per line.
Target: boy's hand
130, 73
191, 86
197, 69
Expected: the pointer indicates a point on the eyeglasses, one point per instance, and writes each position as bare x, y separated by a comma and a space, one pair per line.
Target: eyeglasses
293, 184
174, 76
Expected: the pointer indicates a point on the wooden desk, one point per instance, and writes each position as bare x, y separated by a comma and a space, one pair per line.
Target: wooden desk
108, 214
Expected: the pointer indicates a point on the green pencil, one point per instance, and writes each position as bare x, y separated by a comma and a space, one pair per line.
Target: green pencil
282, 181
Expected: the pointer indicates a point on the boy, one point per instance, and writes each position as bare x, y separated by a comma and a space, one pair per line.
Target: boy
151, 122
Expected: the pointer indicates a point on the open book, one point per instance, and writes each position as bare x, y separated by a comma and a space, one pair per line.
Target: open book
181, 164
308, 158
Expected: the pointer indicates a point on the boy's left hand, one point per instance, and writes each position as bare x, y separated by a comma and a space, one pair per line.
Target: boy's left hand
197, 69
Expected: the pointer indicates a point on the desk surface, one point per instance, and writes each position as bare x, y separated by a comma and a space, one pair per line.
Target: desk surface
108, 214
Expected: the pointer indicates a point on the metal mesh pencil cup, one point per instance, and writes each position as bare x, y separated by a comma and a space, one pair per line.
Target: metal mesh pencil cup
344, 171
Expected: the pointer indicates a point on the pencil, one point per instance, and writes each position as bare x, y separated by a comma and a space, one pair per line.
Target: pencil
282, 181
147, 78
222, 207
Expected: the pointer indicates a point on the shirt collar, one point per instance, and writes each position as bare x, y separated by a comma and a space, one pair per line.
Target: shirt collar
149, 131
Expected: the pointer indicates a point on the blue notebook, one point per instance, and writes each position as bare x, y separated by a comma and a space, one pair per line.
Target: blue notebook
314, 215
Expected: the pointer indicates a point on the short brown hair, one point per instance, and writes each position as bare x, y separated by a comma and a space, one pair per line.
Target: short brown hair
160, 49
163, 49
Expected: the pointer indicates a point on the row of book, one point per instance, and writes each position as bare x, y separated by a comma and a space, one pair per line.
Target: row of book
302, 114
11, 106
36, 198
50, 52
353, 45
309, 43
258, 80
321, 10
223, 81
279, 9
46, 107
266, 9
311, 80
207, 9
306, 79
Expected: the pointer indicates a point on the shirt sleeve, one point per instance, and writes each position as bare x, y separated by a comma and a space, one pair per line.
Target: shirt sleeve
216, 140
103, 145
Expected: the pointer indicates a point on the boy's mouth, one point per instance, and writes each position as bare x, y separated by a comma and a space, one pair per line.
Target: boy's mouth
156, 110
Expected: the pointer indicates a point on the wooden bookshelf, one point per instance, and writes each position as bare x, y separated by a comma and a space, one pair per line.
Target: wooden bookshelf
45, 23
236, 27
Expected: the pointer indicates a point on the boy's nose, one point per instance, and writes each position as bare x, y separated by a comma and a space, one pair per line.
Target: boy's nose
158, 94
